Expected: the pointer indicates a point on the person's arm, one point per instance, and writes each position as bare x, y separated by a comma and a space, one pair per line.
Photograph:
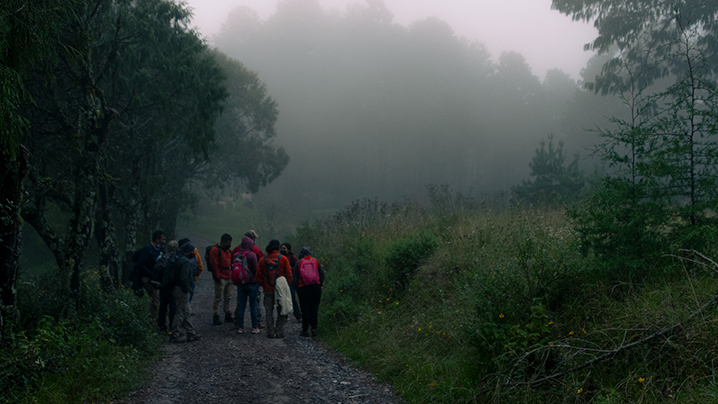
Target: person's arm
261, 279
214, 262
185, 276
286, 269
199, 263
321, 271
145, 262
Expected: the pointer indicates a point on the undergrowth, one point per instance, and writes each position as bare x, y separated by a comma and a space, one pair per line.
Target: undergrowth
470, 302
95, 350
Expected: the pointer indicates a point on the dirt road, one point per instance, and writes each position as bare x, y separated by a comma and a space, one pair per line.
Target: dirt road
226, 367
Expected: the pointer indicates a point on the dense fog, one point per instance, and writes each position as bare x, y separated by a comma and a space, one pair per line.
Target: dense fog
369, 108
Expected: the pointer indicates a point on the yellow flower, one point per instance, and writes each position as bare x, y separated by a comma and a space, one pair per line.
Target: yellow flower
570, 333
501, 315
550, 322
397, 303
433, 383
387, 299
550, 343
341, 290
642, 379
419, 328
579, 390
584, 330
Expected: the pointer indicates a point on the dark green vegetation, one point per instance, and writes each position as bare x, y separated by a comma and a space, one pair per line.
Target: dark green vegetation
494, 303
113, 113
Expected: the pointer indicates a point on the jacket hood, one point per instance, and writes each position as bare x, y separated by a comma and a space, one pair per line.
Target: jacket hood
304, 252
246, 245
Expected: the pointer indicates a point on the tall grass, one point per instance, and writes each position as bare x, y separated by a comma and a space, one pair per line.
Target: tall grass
475, 302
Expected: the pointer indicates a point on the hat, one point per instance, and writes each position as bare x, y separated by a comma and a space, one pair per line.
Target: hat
186, 248
252, 234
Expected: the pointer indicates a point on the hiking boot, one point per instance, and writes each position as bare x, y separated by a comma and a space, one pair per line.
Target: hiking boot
192, 337
216, 320
240, 331
175, 339
304, 334
255, 330
314, 333
228, 318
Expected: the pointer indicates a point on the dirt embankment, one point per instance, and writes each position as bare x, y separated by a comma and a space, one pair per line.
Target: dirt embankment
226, 367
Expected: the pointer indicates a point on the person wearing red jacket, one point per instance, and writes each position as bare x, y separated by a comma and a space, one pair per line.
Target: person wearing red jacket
258, 252
270, 268
220, 265
309, 295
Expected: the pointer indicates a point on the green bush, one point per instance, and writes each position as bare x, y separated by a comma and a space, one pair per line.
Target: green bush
49, 350
405, 255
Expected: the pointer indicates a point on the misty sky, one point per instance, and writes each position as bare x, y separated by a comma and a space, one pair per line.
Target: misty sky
545, 37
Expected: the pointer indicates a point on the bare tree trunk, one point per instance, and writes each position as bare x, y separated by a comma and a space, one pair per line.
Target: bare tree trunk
106, 239
14, 170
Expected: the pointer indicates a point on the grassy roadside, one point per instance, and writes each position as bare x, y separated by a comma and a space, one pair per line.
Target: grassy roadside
504, 300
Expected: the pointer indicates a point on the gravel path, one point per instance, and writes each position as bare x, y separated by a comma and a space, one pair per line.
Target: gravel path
226, 367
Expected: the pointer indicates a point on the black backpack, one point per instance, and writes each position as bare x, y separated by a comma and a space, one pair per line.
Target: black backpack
274, 267
158, 271
206, 257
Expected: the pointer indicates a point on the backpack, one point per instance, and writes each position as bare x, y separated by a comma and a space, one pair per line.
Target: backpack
169, 274
272, 267
240, 270
158, 271
206, 257
308, 271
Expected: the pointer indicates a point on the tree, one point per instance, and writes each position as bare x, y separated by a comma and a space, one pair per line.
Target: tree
28, 32
140, 81
553, 181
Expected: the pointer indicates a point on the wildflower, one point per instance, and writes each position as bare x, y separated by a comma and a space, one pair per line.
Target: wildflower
433, 383
584, 330
397, 303
579, 390
341, 290
550, 322
642, 379
570, 333
407, 365
419, 328
550, 343
500, 315
387, 299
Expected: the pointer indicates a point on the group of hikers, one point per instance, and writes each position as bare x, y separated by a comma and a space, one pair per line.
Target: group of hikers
169, 276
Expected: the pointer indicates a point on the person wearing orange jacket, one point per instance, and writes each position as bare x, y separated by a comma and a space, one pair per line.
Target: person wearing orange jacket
271, 267
308, 282
220, 264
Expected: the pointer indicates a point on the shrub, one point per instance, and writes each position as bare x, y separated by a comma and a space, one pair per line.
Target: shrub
405, 255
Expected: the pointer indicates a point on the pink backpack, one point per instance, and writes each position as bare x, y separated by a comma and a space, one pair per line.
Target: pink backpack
240, 270
308, 271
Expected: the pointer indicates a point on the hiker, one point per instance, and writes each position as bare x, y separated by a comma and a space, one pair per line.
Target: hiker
308, 280
145, 264
197, 269
246, 286
220, 265
178, 279
286, 250
272, 268
258, 251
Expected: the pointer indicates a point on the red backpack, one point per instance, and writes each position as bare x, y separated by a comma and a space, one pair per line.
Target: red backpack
308, 271
240, 270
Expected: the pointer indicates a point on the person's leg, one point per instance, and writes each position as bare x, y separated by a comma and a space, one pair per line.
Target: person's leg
191, 290
269, 312
162, 310
175, 327
260, 294
217, 296
253, 289
281, 320
154, 297
295, 306
227, 292
242, 295
182, 323
304, 304
172, 303
316, 297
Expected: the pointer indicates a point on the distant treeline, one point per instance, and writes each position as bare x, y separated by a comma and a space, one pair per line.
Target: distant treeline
370, 108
